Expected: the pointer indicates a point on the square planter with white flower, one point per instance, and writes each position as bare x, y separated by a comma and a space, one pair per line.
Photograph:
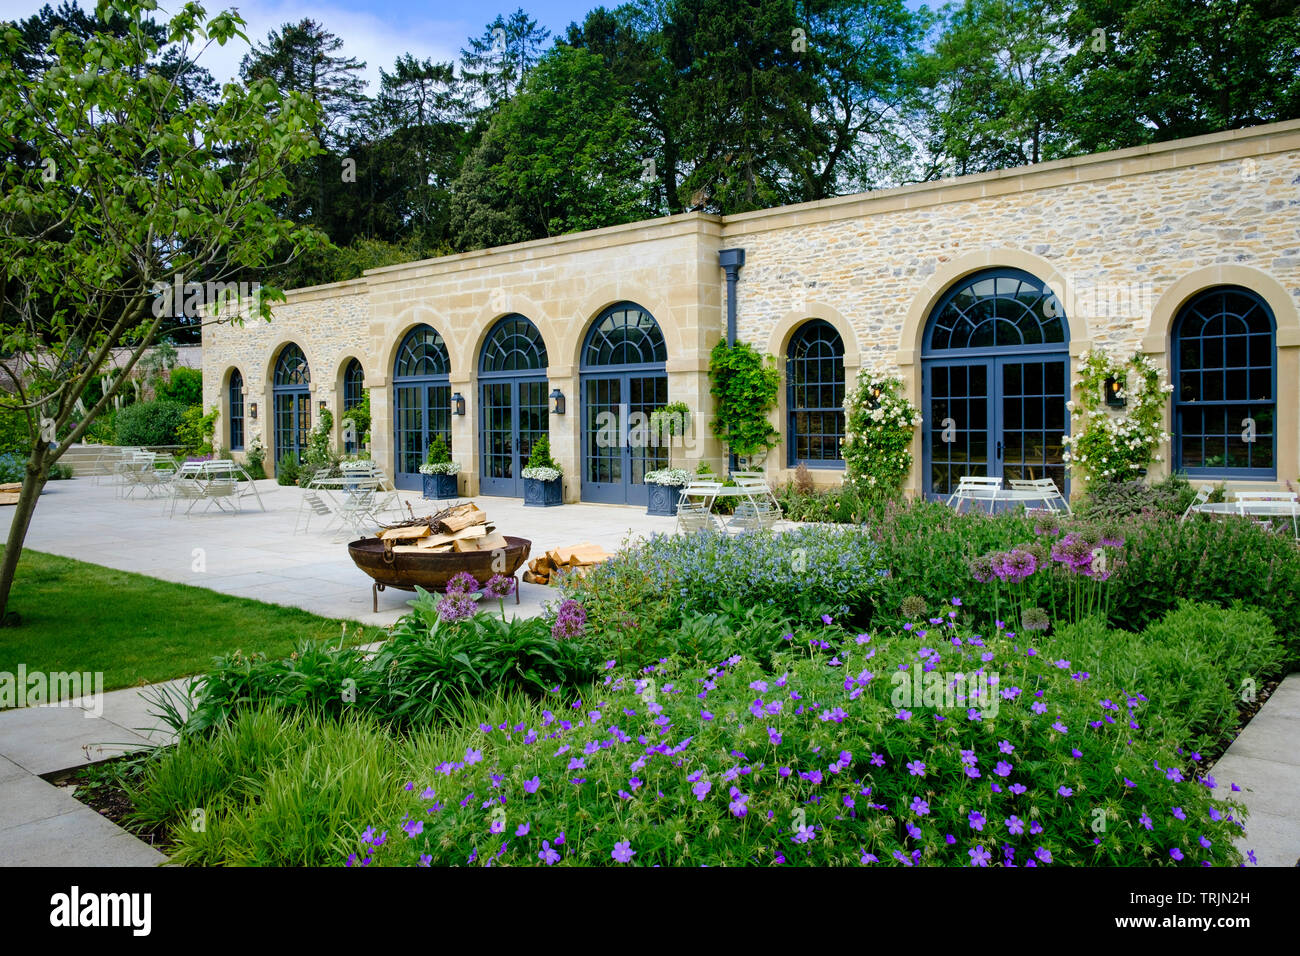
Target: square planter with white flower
665, 487
439, 472
543, 479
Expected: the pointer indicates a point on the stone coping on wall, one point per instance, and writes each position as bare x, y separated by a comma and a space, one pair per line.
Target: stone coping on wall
1219, 147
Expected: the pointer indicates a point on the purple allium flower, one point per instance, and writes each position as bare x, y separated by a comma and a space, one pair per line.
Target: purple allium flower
456, 606
570, 620
499, 586
462, 583
623, 852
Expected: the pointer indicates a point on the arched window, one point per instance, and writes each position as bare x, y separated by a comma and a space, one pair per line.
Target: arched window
353, 391
513, 412
421, 400
291, 389
1225, 393
236, 410
996, 376
623, 380
814, 372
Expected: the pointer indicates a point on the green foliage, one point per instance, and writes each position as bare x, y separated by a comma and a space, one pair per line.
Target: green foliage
15, 435
150, 423
1114, 446
559, 157
1126, 499
255, 457
277, 788
196, 429
184, 385
437, 453
422, 674
360, 414
540, 456
744, 386
287, 469
647, 589
846, 504
319, 453
775, 789
879, 423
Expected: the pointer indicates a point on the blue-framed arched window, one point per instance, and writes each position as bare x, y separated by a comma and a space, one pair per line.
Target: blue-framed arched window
814, 372
291, 389
421, 400
513, 409
624, 334
354, 379
236, 410
623, 379
995, 379
1225, 391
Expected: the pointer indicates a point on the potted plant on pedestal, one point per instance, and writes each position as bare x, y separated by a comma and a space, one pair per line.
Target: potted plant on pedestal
543, 478
439, 472
665, 484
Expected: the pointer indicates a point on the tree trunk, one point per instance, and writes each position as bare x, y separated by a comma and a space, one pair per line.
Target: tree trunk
33, 482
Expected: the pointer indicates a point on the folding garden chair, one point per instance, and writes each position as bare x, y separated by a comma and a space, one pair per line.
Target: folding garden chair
761, 509
1202, 496
356, 513
1042, 489
695, 506
1264, 506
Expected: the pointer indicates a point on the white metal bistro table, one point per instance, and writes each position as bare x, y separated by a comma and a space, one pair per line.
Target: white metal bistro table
712, 494
1002, 494
1253, 509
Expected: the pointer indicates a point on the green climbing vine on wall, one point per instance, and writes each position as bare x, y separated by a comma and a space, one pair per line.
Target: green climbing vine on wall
744, 386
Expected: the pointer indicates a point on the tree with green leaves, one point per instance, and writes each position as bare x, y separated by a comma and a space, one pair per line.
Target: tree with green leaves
1146, 71
557, 158
120, 202
496, 63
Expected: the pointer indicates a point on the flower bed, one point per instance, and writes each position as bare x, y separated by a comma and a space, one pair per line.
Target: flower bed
829, 760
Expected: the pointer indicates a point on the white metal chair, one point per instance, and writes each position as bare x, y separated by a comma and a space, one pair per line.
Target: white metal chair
1202, 496
976, 488
1281, 504
356, 512
695, 506
312, 504
1046, 488
761, 509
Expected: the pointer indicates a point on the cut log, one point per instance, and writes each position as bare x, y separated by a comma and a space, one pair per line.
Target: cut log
529, 577
9, 497
462, 516
416, 549
583, 554
409, 532
491, 542
11, 486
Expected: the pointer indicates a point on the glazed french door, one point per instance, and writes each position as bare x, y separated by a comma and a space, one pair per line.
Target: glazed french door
421, 411
515, 415
618, 447
1000, 417
292, 422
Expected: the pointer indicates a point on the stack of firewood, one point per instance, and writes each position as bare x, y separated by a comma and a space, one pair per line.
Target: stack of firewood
9, 492
459, 528
573, 559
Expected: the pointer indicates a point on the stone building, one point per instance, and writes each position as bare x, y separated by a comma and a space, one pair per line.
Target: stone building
1188, 251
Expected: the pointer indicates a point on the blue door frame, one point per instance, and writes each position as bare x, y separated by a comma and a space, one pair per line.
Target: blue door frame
513, 414
998, 416
421, 411
615, 460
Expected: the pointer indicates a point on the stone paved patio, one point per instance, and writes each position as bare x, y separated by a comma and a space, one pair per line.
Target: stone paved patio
257, 555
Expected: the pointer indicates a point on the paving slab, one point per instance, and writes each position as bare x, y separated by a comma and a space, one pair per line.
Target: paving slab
77, 836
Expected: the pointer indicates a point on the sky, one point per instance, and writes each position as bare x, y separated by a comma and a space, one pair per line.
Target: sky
374, 31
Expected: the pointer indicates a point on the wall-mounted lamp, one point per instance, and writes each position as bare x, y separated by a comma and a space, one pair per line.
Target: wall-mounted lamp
252, 411
324, 405
557, 402
1114, 397
874, 400
458, 404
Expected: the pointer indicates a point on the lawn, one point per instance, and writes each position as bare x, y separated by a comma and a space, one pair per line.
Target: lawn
139, 630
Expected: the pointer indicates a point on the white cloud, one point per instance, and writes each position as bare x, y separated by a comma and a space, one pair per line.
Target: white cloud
367, 35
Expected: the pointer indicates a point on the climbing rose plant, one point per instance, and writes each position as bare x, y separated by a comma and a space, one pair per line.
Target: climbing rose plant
1115, 444
878, 427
